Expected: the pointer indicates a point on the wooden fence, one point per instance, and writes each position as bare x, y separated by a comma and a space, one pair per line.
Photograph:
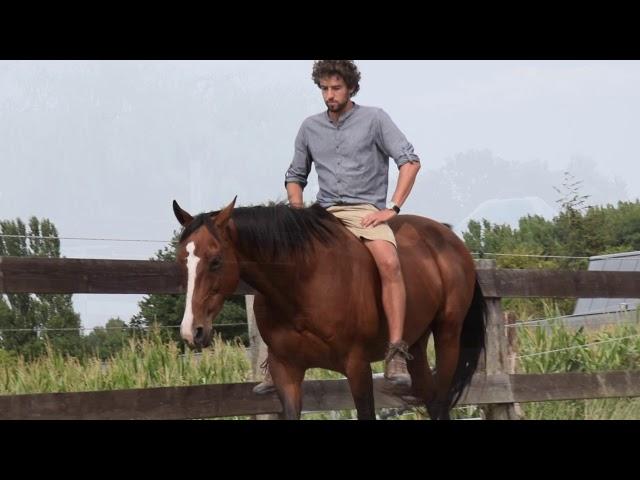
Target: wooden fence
495, 386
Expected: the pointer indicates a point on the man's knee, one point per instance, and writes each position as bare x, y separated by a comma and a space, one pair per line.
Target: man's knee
390, 267
386, 258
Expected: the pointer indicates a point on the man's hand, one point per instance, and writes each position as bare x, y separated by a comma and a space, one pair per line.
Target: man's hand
376, 218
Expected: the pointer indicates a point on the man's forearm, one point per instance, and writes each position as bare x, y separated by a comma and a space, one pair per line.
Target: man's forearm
407, 177
294, 192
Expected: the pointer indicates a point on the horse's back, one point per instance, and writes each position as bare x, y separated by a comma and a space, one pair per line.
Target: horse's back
422, 236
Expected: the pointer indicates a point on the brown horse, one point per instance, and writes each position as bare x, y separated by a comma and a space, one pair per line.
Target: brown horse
319, 302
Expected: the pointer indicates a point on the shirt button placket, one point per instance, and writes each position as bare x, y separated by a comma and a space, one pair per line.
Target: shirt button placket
339, 163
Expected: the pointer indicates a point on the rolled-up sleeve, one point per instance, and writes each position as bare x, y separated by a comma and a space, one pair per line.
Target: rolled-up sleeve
393, 142
301, 165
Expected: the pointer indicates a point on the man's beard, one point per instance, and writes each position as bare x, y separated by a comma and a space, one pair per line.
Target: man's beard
337, 107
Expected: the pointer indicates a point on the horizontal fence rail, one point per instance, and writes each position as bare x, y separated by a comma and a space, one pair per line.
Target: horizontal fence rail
75, 275
237, 399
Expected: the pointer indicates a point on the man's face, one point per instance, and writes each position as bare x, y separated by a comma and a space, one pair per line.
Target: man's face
335, 93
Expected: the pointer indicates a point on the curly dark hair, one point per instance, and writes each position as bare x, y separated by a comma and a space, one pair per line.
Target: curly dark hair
346, 69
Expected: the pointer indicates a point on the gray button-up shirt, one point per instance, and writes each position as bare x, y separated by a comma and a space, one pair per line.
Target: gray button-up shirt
351, 156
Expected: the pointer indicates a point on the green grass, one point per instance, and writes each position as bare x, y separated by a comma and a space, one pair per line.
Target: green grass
148, 362
142, 363
620, 350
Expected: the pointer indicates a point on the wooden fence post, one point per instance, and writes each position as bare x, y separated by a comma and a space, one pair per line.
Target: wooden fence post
512, 353
257, 349
496, 350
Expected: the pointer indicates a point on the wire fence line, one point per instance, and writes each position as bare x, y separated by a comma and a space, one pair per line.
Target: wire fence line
542, 322
534, 323
126, 327
531, 255
32, 237
41, 330
615, 339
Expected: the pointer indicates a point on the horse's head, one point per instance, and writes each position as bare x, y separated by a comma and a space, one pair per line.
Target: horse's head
208, 256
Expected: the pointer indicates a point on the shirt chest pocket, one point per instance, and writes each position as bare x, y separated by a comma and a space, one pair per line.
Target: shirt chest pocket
357, 143
322, 149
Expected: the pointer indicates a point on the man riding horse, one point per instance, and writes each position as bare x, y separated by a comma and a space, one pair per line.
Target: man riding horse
350, 145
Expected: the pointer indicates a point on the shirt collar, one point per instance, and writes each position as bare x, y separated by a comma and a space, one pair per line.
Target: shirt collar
344, 117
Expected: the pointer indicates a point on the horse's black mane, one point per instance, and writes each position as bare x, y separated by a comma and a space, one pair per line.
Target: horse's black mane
277, 231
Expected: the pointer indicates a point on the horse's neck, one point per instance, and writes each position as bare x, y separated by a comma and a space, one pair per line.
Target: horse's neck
275, 280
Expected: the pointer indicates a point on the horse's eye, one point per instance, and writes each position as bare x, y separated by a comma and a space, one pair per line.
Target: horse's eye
216, 263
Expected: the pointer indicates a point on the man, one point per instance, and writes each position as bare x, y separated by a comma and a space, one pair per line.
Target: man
350, 145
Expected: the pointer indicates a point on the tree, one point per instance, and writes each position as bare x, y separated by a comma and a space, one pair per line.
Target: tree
578, 231
571, 198
571, 228
105, 342
25, 318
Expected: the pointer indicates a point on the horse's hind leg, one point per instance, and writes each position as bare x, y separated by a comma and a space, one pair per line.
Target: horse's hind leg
359, 375
288, 382
422, 384
446, 334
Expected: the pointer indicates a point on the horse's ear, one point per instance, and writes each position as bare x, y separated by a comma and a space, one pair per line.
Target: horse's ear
183, 217
223, 217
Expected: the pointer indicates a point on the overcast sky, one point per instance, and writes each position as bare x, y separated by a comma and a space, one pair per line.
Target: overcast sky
101, 148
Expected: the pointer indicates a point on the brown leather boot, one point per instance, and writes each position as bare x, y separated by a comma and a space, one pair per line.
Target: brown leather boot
395, 364
267, 385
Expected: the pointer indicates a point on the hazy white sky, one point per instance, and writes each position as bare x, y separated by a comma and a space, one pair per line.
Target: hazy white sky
101, 148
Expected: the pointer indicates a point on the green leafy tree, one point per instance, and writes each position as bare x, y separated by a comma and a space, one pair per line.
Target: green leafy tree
25, 318
105, 342
579, 230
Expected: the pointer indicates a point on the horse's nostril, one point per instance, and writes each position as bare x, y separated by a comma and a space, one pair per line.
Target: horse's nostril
199, 334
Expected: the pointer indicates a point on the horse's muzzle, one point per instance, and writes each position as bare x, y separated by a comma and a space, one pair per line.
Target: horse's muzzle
200, 338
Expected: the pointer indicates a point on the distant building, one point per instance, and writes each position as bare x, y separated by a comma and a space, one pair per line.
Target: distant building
616, 262
598, 312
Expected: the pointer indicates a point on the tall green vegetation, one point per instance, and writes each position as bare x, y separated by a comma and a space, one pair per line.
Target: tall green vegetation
151, 361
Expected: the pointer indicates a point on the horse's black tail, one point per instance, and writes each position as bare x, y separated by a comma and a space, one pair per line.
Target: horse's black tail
472, 341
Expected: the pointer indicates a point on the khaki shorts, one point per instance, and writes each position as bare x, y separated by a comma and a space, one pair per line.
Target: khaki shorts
351, 217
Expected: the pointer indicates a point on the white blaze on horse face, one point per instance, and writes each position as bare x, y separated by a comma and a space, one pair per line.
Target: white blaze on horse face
186, 327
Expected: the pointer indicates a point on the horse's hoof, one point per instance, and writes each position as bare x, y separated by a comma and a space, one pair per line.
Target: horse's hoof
264, 388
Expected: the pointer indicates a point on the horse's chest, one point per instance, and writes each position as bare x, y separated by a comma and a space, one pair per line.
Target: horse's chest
304, 346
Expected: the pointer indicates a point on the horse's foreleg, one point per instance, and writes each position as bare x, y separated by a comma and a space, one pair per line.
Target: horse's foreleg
288, 382
360, 380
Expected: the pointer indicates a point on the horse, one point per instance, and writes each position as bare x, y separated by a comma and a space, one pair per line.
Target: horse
319, 301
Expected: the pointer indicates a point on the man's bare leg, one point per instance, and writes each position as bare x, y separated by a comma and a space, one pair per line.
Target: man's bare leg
394, 302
